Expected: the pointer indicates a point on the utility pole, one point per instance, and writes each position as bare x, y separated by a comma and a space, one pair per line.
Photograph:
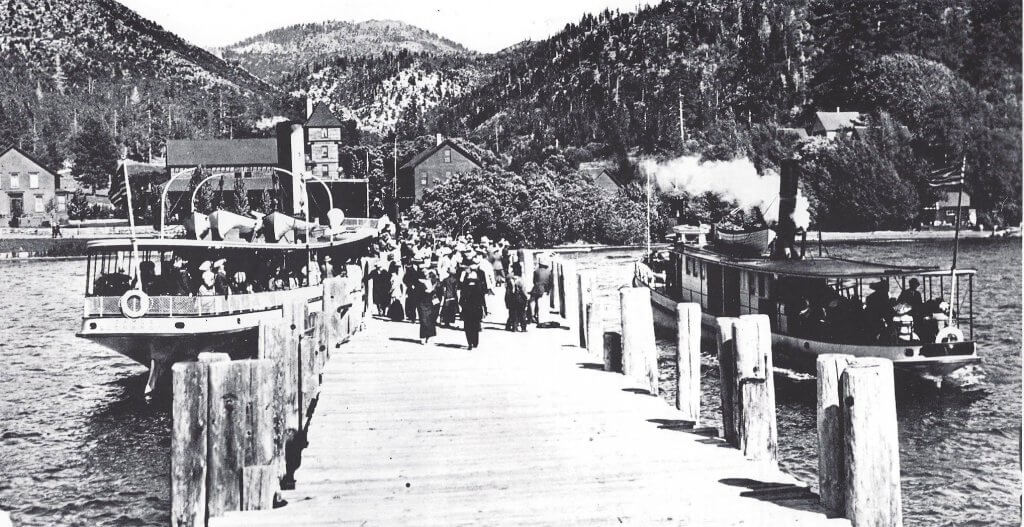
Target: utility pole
149, 135
682, 122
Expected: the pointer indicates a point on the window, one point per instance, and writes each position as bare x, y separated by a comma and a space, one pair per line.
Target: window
62, 203
248, 174
447, 155
325, 152
15, 180
701, 271
447, 176
39, 205
762, 286
751, 283
33, 180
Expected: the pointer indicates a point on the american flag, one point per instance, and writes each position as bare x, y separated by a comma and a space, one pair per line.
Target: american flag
945, 176
118, 191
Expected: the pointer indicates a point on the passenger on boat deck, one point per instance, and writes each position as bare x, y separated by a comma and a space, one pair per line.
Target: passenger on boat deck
877, 308
220, 279
239, 284
207, 288
178, 280
912, 297
147, 278
326, 267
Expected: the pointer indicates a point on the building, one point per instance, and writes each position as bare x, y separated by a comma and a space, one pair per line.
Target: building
30, 194
600, 174
942, 213
835, 124
323, 140
266, 165
433, 166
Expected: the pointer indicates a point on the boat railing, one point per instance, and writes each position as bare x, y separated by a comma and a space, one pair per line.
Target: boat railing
195, 306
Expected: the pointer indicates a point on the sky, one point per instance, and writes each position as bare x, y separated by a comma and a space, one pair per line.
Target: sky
482, 25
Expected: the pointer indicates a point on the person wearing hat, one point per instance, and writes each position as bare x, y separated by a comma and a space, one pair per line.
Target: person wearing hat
912, 297
206, 284
413, 281
877, 309
542, 283
381, 281
179, 282
221, 283
473, 290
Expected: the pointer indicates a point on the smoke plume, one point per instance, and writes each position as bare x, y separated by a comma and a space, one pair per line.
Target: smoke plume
735, 180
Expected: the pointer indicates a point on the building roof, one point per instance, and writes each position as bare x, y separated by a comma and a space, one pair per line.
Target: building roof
422, 156
26, 155
948, 199
834, 121
323, 117
798, 133
593, 169
221, 152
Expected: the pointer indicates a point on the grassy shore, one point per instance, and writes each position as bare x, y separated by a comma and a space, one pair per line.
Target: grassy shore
45, 246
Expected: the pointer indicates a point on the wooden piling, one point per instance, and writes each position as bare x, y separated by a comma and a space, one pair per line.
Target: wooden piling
831, 468
727, 376
595, 329
228, 408
871, 444
688, 361
639, 350
259, 484
613, 351
274, 346
260, 420
585, 286
758, 432
557, 291
570, 300
188, 444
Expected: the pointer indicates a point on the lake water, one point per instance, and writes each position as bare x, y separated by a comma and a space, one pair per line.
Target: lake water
80, 446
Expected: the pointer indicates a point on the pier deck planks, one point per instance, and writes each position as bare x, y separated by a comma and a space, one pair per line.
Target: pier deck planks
515, 432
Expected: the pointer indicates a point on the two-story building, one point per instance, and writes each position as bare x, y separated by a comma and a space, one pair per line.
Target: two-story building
429, 168
30, 193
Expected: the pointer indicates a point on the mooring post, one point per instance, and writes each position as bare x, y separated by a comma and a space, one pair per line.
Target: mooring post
273, 346
595, 329
758, 432
831, 468
586, 290
570, 302
556, 281
727, 375
229, 405
259, 472
871, 444
612, 351
188, 444
639, 350
688, 361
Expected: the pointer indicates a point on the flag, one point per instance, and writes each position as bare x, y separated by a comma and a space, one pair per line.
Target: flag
118, 191
953, 175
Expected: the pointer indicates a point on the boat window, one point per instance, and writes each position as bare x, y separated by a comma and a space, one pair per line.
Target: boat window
762, 289
702, 270
751, 283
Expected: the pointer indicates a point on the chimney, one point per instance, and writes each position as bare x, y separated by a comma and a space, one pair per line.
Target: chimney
785, 242
440, 139
309, 107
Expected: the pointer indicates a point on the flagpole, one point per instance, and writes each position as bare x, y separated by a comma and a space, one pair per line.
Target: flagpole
954, 303
131, 220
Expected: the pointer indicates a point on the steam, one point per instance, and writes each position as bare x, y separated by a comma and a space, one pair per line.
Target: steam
736, 180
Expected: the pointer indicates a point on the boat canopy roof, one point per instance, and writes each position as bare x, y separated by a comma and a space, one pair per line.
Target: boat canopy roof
184, 243
819, 267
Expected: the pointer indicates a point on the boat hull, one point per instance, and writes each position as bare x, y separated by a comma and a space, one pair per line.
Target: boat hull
801, 353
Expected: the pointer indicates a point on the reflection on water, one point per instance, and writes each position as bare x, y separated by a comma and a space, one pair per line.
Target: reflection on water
80, 446
959, 446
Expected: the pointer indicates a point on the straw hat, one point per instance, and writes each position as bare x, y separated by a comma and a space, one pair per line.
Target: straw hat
206, 266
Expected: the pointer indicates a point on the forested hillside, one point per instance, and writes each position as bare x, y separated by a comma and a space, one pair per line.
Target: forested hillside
278, 53
72, 64
726, 74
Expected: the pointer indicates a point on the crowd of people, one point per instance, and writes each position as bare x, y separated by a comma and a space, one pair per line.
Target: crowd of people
437, 280
879, 317
175, 275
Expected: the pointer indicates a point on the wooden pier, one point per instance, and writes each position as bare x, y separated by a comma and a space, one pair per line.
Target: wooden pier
527, 429
537, 428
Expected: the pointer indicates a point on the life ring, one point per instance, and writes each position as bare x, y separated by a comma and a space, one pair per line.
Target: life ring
134, 303
949, 334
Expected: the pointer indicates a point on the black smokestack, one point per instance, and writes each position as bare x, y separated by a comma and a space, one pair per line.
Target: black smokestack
785, 241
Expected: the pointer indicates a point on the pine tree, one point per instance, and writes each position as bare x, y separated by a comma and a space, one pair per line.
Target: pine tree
95, 155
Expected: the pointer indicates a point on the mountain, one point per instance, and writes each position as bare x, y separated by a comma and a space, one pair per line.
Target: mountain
78, 39
67, 63
277, 53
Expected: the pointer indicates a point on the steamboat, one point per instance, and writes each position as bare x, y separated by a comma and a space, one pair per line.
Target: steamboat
919, 317
159, 301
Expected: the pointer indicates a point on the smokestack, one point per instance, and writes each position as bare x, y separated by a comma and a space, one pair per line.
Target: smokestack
440, 139
309, 107
785, 242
